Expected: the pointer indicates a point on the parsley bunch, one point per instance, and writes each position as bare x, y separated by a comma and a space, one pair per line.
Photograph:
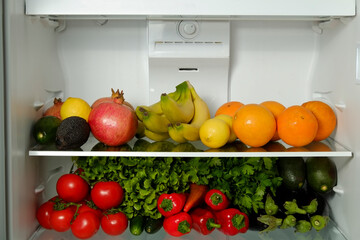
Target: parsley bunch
144, 179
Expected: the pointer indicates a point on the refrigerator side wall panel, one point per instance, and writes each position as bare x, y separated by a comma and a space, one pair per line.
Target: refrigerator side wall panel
32, 68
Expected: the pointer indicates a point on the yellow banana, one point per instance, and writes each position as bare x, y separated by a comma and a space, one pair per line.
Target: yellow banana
201, 109
189, 131
152, 121
156, 136
176, 134
181, 110
140, 131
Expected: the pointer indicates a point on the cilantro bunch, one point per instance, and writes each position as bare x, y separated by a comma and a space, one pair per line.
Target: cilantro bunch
144, 179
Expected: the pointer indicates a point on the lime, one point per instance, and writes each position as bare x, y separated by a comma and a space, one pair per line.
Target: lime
75, 107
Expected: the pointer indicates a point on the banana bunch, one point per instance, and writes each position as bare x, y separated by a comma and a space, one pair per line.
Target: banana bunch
178, 115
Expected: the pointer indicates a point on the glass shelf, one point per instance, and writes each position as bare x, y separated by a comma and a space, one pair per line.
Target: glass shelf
330, 232
169, 148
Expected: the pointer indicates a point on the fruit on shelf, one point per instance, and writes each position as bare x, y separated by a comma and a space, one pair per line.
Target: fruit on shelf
254, 125
181, 110
45, 129
75, 107
297, 126
117, 97
229, 108
113, 123
54, 110
325, 116
72, 133
214, 133
276, 109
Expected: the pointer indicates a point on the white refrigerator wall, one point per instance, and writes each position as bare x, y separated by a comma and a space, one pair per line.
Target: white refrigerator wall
286, 61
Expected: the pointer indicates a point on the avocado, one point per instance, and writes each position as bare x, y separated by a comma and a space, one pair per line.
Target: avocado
321, 174
72, 133
293, 172
45, 129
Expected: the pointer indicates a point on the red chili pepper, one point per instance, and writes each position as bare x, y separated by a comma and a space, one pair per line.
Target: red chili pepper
203, 221
170, 204
178, 224
232, 221
196, 196
216, 199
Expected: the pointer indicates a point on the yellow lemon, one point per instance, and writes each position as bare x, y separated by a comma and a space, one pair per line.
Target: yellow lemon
75, 107
229, 120
214, 133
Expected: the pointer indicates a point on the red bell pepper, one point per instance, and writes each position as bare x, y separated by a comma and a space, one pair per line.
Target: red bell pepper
203, 221
170, 204
178, 224
216, 200
232, 221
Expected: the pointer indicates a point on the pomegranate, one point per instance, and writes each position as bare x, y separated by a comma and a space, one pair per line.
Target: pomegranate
54, 110
113, 123
117, 97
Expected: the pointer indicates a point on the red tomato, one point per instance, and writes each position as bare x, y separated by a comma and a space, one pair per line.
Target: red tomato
107, 195
43, 214
60, 220
72, 188
85, 225
114, 224
86, 208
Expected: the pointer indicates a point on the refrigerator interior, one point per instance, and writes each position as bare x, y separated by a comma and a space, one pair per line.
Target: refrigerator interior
290, 61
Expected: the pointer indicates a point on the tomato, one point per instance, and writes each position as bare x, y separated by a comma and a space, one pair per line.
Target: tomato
60, 220
85, 225
114, 224
107, 195
43, 214
86, 208
72, 188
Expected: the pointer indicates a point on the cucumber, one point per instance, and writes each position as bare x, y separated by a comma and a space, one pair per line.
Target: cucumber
293, 172
321, 174
45, 129
153, 225
137, 225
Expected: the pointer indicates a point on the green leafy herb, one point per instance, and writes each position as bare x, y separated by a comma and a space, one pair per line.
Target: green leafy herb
244, 180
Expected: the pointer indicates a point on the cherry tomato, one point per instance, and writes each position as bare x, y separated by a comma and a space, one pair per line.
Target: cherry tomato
85, 225
72, 188
60, 220
114, 224
107, 195
43, 214
86, 208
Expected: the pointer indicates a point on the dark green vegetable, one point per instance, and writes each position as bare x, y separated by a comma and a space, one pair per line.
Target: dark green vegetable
293, 172
137, 225
271, 221
319, 222
289, 221
153, 225
45, 129
292, 208
270, 206
303, 226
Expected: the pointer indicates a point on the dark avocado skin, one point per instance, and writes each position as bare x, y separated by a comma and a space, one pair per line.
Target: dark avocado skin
45, 129
72, 133
321, 174
293, 172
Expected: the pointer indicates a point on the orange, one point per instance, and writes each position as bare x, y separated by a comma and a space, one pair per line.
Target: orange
254, 125
297, 126
276, 108
325, 116
229, 108
318, 147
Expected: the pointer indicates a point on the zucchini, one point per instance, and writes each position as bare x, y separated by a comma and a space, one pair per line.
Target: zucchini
137, 225
153, 225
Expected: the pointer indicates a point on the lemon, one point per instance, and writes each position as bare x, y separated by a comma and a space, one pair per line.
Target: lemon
214, 133
75, 107
229, 120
